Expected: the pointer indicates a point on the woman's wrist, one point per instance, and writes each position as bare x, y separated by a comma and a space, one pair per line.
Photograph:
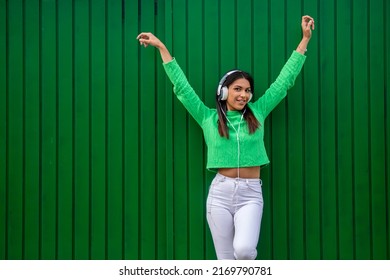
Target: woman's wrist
302, 46
165, 55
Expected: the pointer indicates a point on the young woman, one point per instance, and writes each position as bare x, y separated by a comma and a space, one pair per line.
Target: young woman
234, 133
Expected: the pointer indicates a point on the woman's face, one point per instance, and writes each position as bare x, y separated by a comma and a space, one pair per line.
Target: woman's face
239, 93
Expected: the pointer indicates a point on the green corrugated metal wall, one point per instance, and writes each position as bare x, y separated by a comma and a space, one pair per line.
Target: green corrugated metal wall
98, 160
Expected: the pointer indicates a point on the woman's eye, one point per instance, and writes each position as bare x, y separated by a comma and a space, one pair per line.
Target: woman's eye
239, 89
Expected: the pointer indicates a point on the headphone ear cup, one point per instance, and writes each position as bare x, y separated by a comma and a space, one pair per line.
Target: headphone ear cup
224, 93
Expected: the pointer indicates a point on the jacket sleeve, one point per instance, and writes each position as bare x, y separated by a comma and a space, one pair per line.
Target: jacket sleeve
278, 89
185, 93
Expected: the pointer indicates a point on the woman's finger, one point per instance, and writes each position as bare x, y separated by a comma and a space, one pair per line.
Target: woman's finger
144, 41
307, 18
143, 35
308, 22
139, 36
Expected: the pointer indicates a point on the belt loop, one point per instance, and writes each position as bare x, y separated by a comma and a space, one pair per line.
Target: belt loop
221, 178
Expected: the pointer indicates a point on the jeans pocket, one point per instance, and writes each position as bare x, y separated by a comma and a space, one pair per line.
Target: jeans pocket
208, 203
210, 195
214, 182
255, 186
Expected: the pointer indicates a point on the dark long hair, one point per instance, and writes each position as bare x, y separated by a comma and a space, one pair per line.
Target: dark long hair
249, 117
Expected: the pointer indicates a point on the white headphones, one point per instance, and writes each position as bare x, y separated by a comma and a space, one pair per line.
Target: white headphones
222, 91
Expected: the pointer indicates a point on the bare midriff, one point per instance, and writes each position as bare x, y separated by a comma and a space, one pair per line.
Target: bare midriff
243, 172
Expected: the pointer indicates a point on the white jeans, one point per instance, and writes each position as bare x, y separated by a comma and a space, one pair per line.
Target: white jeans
234, 211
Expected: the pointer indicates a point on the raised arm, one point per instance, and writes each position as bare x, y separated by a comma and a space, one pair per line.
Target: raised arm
278, 89
183, 90
147, 38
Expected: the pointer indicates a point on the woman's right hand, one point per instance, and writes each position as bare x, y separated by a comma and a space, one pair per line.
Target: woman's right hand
147, 38
307, 26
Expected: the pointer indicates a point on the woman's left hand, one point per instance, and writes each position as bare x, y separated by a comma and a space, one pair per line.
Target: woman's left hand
307, 26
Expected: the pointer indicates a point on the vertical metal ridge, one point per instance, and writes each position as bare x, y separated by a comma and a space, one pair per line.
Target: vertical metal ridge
123, 128
187, 135
353, 130
155, 139
90, 159
106, 129
139, 208
139, 232
337, 163
304, 164
368, 10
57, 135
169, 137
304, 155
6, 222
124, 123
270, 134
286, 136
219, 36
73, 133
123, 200
24, 131
235, 35
319, 139
40, 130
285, 28
320, 144
387, 132
204, 193
252, 35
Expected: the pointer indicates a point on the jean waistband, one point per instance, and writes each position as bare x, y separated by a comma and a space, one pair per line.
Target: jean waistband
246, 180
